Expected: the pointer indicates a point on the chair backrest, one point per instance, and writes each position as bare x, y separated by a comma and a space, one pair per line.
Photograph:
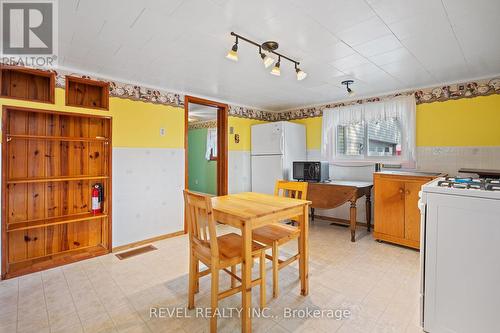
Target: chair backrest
200, 221
297, 190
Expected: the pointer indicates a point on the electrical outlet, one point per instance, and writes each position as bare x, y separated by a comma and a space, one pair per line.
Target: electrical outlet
196, 181
162, 131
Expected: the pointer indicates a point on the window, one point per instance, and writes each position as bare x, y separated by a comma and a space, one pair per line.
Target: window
384, 137
379, 131
351, 139
211, 152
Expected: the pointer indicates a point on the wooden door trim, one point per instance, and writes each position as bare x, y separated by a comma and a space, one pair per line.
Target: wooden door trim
222, 144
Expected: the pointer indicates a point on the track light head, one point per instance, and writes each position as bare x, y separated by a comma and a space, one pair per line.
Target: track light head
267, 60
301, 75
350, 92
233, 53
276, 69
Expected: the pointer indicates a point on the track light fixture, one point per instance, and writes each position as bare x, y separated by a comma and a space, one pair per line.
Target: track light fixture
233, 53
350, 92
269, 47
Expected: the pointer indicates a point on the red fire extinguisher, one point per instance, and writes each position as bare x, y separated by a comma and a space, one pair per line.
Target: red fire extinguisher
96, 198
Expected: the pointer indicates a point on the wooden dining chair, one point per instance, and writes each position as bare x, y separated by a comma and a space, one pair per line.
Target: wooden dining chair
217, 253
274, 235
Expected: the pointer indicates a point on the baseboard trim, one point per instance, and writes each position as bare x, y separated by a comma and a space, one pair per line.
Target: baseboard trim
147, 241
338, 221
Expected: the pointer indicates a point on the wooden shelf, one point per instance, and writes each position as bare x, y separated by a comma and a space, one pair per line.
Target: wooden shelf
86, 93
55, 138
60, 220
49, 261
50, 162
27, 84
53, 179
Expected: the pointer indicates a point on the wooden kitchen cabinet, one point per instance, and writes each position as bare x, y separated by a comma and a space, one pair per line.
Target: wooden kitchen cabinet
397, 216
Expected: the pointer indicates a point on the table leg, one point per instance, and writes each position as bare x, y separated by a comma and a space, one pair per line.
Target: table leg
353, 219
246, 278
304, 252
368, 212
312, 214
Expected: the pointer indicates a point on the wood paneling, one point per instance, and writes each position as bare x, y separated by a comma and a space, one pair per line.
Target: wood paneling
50, 162
27, 84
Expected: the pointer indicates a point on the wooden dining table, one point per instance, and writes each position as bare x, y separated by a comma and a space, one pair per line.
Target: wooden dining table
248, 211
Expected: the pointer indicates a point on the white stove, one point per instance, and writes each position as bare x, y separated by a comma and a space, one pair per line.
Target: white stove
460, 260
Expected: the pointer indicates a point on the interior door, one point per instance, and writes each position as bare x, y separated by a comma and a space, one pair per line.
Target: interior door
412, 212
390, 214
266, 170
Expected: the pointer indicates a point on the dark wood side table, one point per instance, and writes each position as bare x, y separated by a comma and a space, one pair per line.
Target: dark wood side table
336, 193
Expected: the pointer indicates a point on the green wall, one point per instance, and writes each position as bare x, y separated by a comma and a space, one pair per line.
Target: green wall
202, 173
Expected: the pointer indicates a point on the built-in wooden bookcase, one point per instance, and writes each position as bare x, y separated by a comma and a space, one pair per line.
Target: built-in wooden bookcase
27, 84
87, 93
50, 162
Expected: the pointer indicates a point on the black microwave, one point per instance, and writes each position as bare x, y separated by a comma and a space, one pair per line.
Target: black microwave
311, 171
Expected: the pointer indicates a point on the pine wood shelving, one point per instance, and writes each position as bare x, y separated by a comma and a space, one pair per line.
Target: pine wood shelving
53, 179
82, 92
56, 138
27, 84
50, 162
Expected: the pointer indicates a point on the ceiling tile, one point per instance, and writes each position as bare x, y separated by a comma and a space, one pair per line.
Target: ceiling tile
428, 24
400, 54
379, 45
363, 32
337, 15
346, 63
394, 10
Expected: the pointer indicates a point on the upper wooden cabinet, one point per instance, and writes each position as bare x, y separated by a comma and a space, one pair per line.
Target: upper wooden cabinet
27, 84
397, 216
86, 93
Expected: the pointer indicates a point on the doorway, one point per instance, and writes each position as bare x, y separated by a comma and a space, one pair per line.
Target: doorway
205, 141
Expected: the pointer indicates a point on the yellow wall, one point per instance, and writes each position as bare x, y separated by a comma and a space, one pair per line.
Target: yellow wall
462, 122
313, 131
242, 127
135, 123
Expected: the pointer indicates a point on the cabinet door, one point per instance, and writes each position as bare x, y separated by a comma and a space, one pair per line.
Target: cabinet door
412, 213
389, 207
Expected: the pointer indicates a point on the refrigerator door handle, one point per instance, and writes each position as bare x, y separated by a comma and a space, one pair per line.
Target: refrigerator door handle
282, 144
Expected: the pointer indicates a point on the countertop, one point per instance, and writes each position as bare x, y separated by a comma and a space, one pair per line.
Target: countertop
411, 173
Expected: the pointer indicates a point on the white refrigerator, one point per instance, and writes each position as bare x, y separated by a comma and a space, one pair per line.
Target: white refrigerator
275, 146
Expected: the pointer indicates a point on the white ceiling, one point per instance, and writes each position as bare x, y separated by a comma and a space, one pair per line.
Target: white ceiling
198, 112
384, 45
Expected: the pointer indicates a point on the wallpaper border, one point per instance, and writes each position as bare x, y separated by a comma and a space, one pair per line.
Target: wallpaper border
455, 91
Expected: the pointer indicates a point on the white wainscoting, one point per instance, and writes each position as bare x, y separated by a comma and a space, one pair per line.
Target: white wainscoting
147, 193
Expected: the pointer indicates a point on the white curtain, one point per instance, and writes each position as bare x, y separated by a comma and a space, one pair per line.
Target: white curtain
211, 143
402, 108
